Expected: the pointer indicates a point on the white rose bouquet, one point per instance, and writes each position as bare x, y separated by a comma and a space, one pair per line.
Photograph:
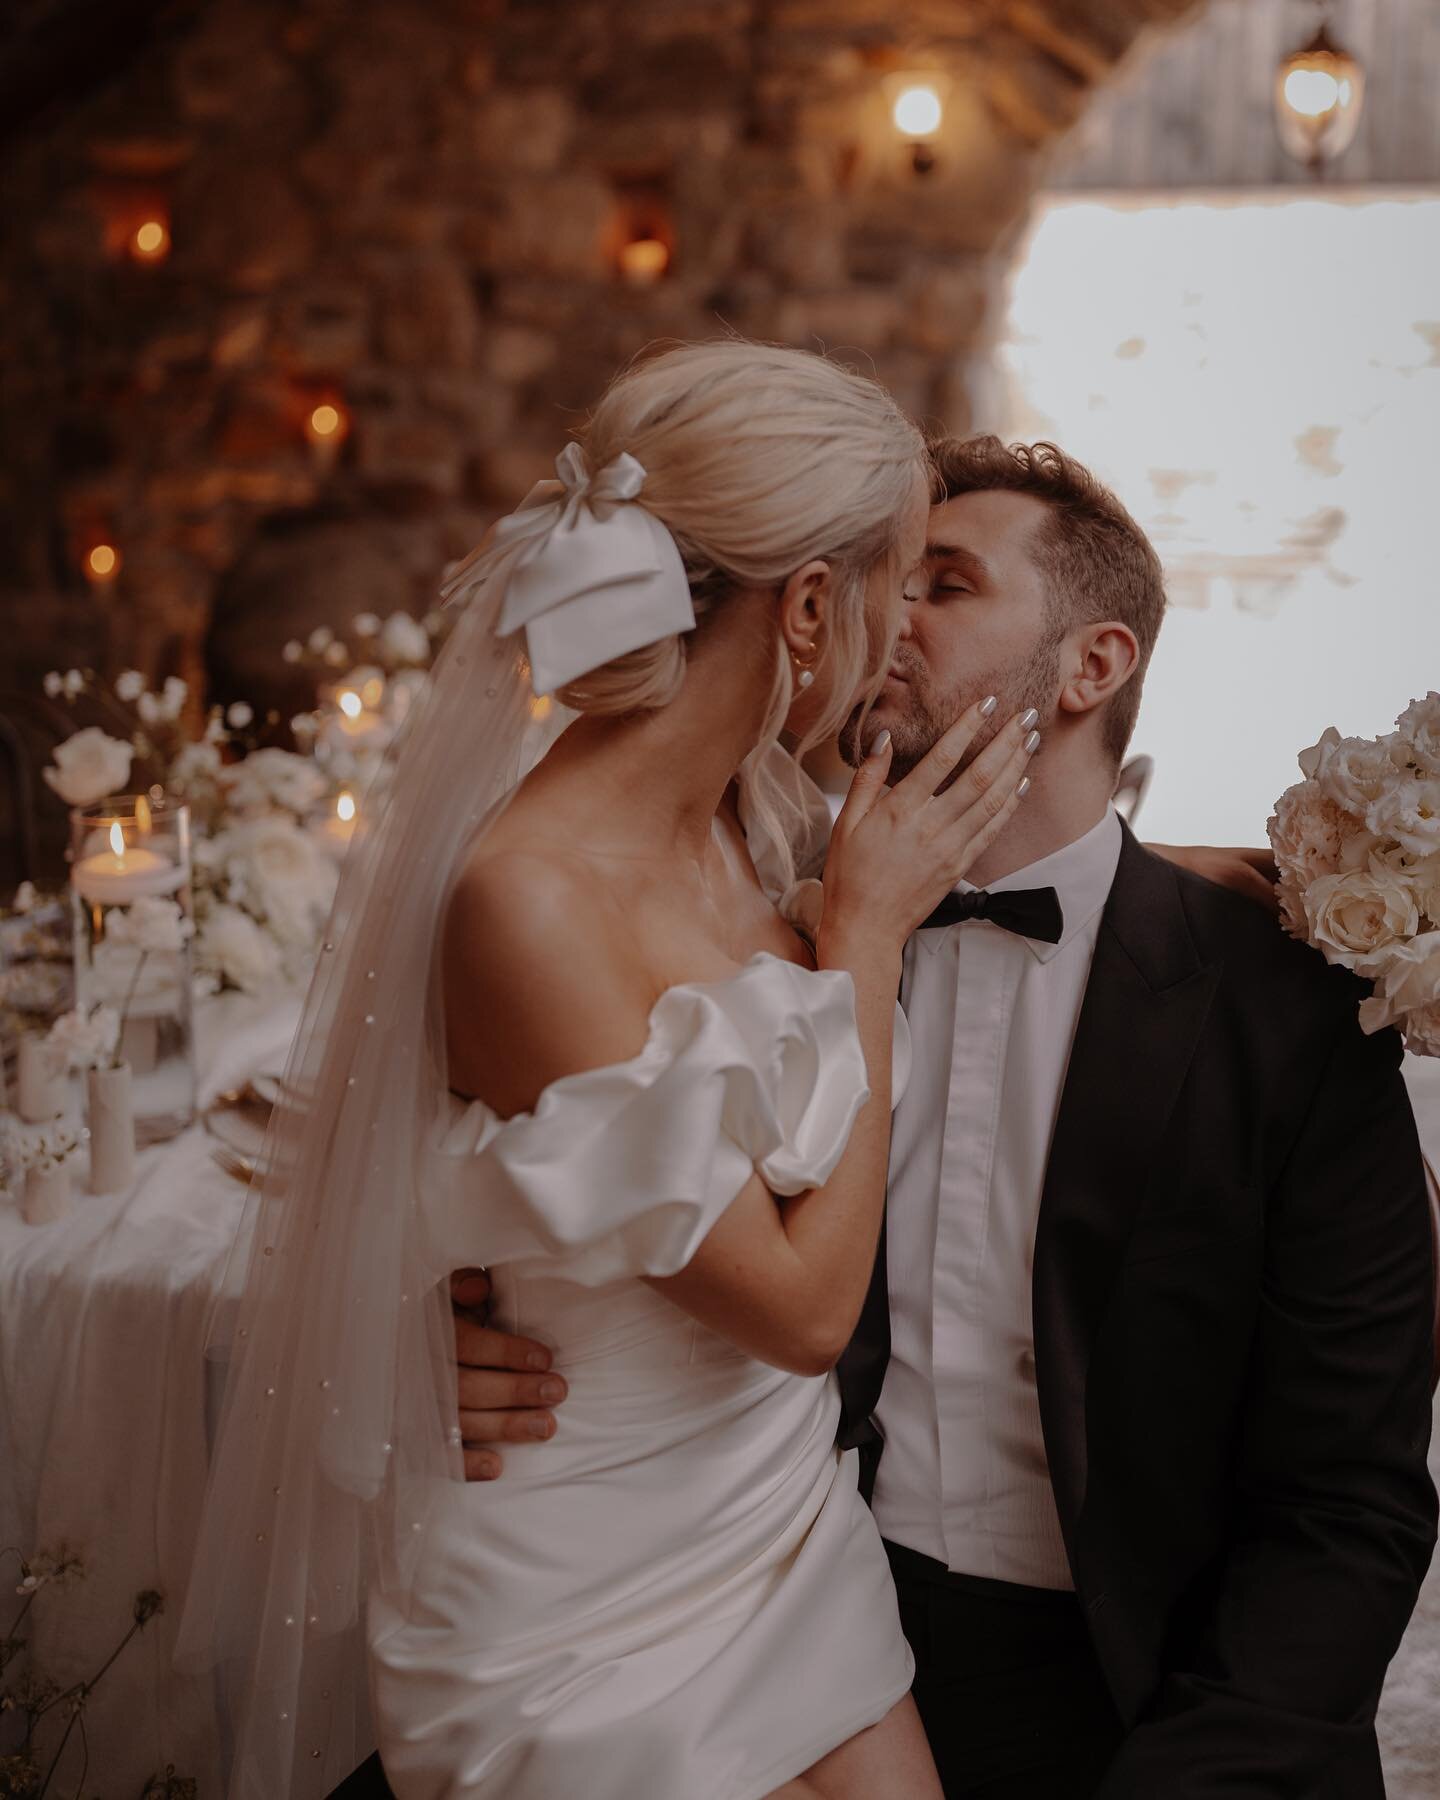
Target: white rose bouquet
1358, 847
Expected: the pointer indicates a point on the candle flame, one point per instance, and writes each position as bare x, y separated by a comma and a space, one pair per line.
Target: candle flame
349, 703
117, 838
345, 807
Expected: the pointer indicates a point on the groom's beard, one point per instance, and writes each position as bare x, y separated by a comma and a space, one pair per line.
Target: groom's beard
1025, 681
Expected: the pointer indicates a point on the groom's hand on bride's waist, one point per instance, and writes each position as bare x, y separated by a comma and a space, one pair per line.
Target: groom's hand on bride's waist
506, 1385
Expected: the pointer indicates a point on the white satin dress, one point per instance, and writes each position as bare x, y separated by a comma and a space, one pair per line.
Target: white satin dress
681, 1595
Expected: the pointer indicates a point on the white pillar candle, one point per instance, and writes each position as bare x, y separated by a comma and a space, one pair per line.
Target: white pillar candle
124, 872
47, 1194
112, 1130
40, 1080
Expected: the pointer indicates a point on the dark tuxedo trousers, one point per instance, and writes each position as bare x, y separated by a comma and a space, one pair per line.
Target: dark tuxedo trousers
1233, 1310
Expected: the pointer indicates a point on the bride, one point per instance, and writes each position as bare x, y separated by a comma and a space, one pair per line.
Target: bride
566, 1027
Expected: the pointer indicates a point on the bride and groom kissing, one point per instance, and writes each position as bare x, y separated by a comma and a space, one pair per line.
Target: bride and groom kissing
1119, 1488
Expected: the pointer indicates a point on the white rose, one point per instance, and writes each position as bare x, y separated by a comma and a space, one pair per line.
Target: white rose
232, 944
1424, 877
1352, 915
148, 707
1418, 729
1411, 979
283, 873
404, 639
1353, 772
54, 685
292, 651
1308, 832
130, 685
74, 683
1409, 811
321, 638
366, 624
1422, 1031
25, 898
239, 714
273, 777
89, 766
150, 923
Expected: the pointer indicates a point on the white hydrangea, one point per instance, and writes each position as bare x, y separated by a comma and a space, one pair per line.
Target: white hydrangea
88, 766
232, 945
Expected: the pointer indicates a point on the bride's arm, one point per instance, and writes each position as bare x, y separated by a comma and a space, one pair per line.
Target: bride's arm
1249, 872
785, 1278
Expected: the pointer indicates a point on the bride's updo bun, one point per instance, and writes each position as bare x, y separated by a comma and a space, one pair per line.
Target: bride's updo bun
758, 459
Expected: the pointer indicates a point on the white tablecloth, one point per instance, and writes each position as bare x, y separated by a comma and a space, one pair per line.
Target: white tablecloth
103, 1438
103, 1435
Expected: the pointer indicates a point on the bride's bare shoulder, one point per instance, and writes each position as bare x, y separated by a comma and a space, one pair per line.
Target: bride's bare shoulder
541, 976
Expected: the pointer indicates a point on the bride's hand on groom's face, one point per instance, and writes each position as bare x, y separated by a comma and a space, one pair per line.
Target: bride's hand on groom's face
897, 851
505, 1384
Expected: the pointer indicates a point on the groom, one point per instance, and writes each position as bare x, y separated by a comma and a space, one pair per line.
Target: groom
1141, 1387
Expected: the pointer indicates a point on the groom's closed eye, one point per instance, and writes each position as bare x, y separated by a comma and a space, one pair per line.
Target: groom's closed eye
955, 570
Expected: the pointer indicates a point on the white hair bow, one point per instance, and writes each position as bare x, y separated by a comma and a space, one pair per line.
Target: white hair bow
587, 574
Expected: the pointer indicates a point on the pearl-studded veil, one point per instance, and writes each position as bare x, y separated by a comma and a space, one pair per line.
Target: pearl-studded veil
340, 1391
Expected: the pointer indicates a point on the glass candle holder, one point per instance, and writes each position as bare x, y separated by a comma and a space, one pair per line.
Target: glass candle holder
133, 907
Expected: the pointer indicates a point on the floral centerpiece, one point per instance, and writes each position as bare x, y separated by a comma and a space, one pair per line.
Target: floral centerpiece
270, 822
1358, 847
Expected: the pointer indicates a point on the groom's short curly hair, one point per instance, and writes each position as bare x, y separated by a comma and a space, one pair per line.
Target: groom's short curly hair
1097, 562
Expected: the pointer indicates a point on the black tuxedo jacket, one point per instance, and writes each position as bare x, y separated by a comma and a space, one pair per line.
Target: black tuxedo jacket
1233, 1306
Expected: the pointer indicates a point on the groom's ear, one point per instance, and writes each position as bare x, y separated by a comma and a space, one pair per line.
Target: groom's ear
1099, 660
805, 609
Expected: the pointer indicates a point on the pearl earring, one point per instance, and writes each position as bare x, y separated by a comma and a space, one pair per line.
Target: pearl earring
806, 677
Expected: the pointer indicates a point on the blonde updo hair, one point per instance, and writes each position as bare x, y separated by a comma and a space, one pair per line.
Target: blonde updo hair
759, 459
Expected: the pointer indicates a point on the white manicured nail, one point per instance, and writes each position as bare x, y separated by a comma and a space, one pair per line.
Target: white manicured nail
989, 706
1032, 743
881, 744
1023, 789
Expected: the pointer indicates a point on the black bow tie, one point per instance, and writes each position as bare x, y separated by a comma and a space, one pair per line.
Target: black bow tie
1028, 912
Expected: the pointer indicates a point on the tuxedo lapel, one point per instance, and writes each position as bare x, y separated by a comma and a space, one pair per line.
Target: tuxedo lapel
1145, 1004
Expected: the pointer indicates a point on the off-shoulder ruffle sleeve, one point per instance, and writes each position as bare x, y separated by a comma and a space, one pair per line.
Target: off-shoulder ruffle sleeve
622, 1171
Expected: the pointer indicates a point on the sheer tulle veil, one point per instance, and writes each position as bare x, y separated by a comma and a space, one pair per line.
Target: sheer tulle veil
339, 1396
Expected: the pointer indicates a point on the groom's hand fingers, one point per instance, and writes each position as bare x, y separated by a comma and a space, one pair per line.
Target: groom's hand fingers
497, 1392
470, 1287
481, 1347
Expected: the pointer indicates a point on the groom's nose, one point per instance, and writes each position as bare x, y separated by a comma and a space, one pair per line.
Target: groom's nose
907, 629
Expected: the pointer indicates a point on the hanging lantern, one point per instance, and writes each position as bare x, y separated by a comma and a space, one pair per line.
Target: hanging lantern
1319, 93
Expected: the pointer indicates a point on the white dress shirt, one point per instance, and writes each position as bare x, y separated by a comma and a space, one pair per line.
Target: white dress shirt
963, 1478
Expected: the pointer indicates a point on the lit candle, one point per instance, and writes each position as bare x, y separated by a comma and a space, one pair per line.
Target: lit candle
355, 725
124, 872
338, 827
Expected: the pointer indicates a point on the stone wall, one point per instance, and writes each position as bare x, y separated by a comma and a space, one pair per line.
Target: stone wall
413, 211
